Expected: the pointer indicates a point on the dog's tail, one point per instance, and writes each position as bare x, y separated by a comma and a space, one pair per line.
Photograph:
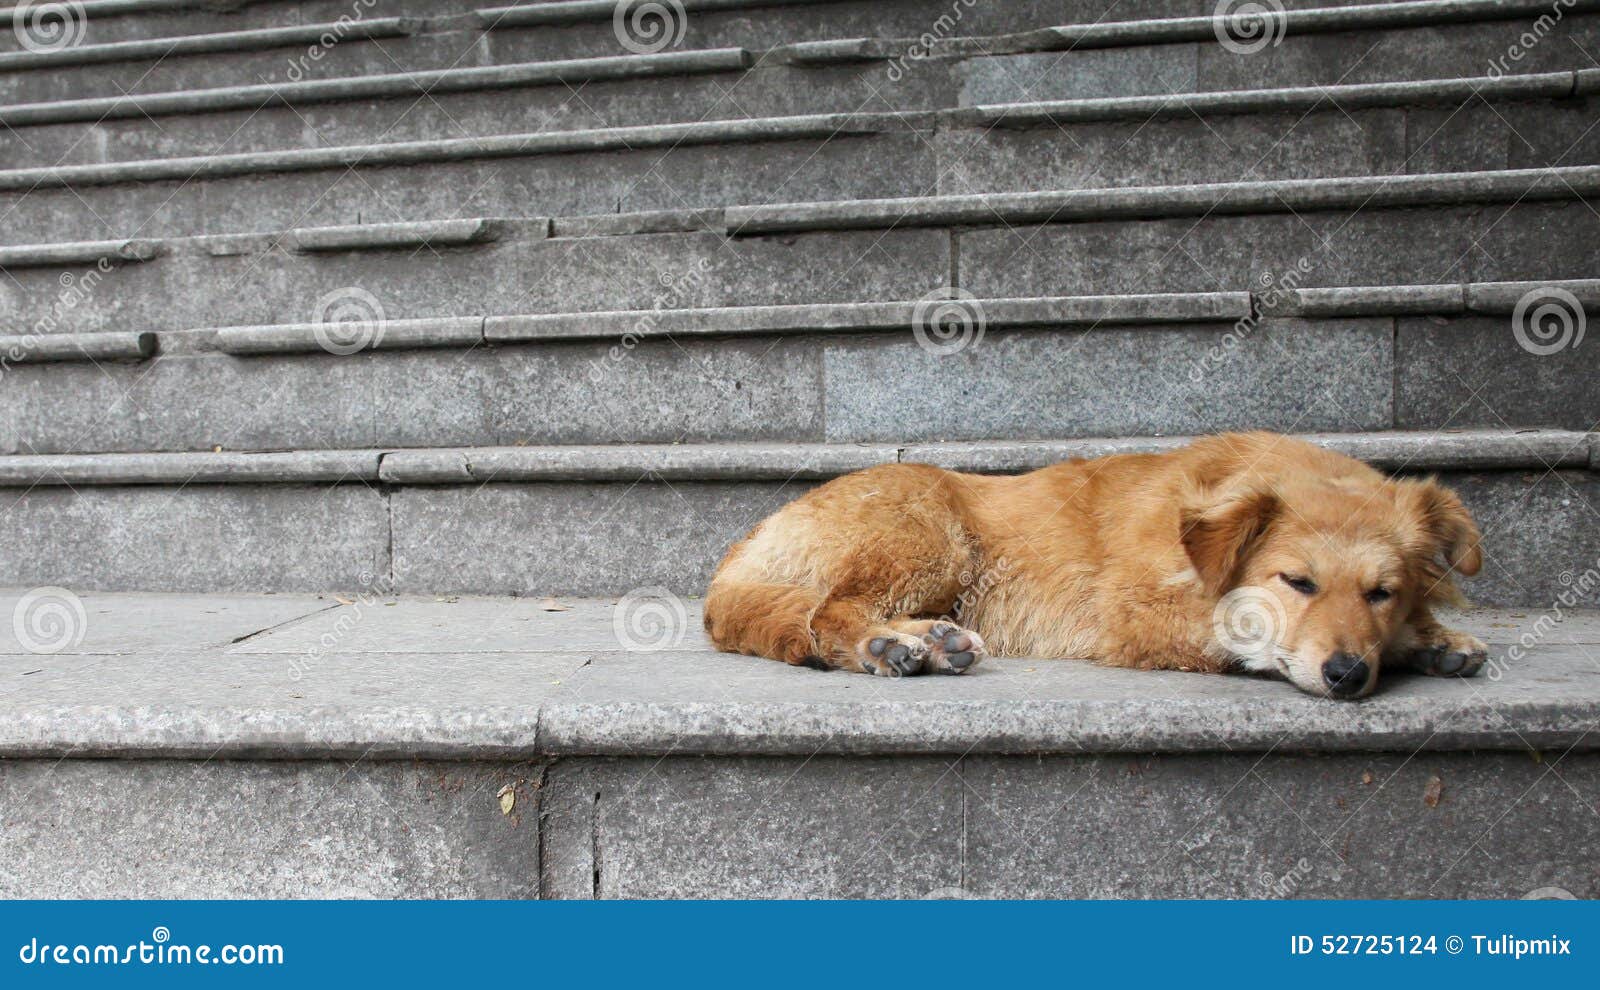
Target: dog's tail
767, 620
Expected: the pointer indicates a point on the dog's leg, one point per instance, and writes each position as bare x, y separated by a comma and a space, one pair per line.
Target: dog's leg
851, 635
1430, 648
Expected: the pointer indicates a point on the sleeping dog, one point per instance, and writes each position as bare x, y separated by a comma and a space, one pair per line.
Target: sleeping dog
1241, 552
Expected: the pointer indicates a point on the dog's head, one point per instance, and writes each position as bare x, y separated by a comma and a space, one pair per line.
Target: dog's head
1315, 579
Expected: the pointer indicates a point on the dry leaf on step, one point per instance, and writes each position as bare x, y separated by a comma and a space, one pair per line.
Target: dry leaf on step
551, 605
1432, 793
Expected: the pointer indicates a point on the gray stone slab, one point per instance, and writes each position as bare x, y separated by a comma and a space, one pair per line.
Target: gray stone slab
1023, 384
573, 538
126, 623
593, 392
823, 827
317, 700
203, 538
1195, 200
1227, 826
628, 463
1473, 371
1541, 529
623, 703
413, 183
1516, 244
1435, 51
1413, 452
1420, 246
1086, 73
1183, 150
179, 469
217, 829
521, 626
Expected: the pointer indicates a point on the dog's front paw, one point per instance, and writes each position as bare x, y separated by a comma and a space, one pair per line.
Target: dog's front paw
1453, 654
927, 646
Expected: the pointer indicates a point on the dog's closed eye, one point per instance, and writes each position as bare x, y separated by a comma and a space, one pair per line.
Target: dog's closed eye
1304, 585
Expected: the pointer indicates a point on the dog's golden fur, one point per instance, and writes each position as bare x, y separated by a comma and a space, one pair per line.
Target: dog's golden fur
1136, 560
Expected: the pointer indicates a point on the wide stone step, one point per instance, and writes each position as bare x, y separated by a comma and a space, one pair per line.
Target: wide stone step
383, 746
1287, 358
1509, 225
326, 40
904, 40
603, 520
1415, 126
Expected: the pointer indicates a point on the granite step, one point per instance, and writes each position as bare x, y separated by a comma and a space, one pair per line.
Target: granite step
1035, 57
537, 520
1371, 358
383, 746
1415, 125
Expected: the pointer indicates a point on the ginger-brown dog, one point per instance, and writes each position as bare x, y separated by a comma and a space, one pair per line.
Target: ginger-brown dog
1241, 552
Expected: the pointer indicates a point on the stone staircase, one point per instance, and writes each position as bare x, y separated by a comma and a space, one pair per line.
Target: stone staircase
364, 298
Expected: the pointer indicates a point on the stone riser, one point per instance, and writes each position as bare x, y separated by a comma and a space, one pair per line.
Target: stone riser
1287, 374
212, 283
938, 157
575, 538
980, 826
1422, 51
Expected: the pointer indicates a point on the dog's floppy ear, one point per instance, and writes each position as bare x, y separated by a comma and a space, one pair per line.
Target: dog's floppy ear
1219, 535
1442, 527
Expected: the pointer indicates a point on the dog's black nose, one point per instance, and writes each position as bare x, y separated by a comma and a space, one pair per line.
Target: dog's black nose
1345, 673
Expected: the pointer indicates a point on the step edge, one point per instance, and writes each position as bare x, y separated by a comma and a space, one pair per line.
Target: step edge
1413, 451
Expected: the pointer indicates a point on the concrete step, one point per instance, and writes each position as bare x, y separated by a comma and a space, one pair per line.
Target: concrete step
1374, 358
1418, 125
386, 747
904, 39
1383, 231
384, 36
602, 520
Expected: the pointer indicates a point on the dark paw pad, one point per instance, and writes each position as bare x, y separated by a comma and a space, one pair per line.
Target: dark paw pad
903, 660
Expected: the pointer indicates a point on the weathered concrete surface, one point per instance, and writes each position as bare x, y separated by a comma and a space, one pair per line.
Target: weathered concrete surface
377, 747
198, 829
379, 678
